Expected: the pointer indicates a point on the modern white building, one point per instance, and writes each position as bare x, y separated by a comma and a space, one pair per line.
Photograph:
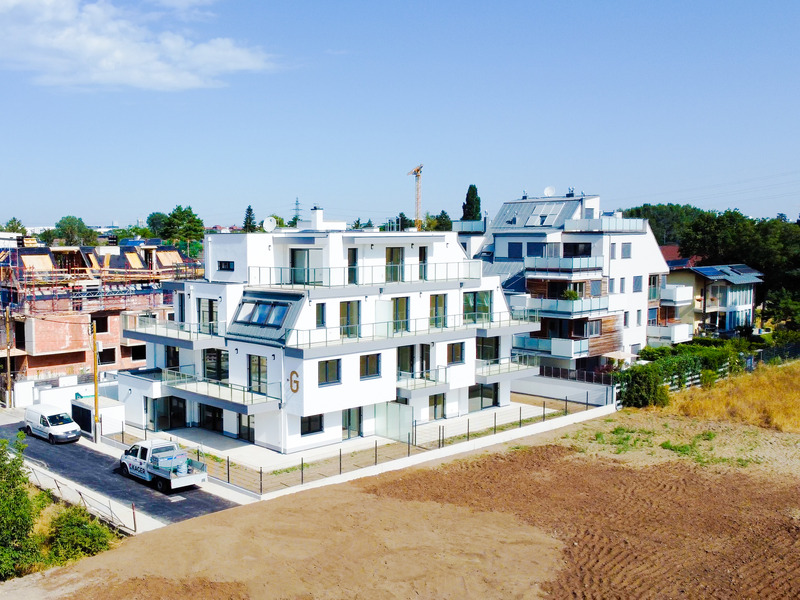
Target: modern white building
597, 279
303, 337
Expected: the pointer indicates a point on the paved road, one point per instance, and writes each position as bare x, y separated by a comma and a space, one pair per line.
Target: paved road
100, 472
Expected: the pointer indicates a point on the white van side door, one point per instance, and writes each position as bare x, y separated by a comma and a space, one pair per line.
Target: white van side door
42, 426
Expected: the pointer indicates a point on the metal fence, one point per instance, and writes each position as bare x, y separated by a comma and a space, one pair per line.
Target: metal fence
576, 375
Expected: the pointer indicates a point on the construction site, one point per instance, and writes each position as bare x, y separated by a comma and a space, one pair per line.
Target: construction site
55, 299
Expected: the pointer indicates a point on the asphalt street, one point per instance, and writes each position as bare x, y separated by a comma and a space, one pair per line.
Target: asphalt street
101, 473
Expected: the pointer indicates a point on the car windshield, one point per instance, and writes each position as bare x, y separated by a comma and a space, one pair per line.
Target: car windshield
60, 419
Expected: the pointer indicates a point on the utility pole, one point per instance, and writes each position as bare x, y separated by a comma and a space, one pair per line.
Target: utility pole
94, 364
8, 357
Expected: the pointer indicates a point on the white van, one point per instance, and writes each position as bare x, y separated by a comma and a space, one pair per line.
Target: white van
51, 423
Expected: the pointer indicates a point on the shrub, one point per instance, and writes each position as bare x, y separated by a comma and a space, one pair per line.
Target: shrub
17, 550
75, 534
570, 295
650, 353
644, 386
708, 378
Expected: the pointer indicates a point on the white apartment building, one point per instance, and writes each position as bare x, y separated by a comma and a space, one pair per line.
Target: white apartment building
299, 338
597, 280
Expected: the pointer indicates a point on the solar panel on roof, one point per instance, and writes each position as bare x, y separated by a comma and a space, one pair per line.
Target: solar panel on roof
744, 270
709, 271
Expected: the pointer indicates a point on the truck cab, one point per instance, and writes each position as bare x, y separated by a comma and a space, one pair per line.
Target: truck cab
164, 463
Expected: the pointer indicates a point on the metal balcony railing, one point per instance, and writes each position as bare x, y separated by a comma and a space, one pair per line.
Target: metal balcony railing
581, 263
385, 274
421, 379
559, 305
508, 364
173, 329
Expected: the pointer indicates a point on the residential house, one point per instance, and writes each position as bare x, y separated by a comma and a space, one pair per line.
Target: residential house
302, 337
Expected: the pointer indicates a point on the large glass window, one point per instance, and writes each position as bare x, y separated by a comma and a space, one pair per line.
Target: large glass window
207, 312
482, 396
577, 249
438, 310
350, 318
370, 365
436, 407
455, 353
215, 364
652, 287
266, 313
405, 359
321, 314
535, 249
514, 249
328, 371
597, 288
400, 314
352, 265
423, 263
257, 373
394, 265
487, 348
626, 250
477, 307
637, 283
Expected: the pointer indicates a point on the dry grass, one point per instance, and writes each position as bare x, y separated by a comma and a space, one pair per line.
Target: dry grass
768, 397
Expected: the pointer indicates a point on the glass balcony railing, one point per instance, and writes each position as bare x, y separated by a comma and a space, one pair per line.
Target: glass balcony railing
568, 306
582, 263
184, 331
286, 277
325, 336
421, 379
554, 346
606, 224
509, 364
221, 390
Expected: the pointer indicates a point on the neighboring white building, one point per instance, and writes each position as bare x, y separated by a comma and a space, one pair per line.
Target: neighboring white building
299, 338
596, 279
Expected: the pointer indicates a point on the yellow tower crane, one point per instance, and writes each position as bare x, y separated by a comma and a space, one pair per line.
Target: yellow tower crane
417, 173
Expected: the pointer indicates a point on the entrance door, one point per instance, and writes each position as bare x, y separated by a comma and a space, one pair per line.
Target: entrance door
299, 266
211, 418
247, 428
405, 359
436, 407
351, 423
423, 263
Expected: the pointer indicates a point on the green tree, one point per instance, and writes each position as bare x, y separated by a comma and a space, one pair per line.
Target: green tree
74, 232
75, 534
14, 225
249, 225
443, 222
156, 223
183, 225
368, 224
132, 232
47, 237
278, 220
17, 549
471, 207
357, 224
667, 221
404, 222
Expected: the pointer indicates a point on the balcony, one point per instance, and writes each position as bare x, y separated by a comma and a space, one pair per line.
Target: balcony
671, 333
478, 226
194, 336
559, 347
422, 383
229, 396
551, 265
387, 330
607, 225
374, 275
676, 295
505, 369
571, 307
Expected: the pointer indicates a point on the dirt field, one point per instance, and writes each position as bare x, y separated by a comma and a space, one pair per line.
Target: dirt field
640, 505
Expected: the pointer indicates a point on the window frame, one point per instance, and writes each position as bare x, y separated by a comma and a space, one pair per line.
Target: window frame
637, 283
225, 265
312, 424
517, 250
320, 315
370, 365
455, 353
264, 313
328, 374
100, 323
627, 250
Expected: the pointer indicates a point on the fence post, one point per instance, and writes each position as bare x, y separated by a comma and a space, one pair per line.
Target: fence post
544, 408
302, 474
101, 425
566, 412
340, 461
228, 460
415, 432
133, 510
376, 452
58, 487
409, 440
467, 429
123, 432
587, 400
198, 454
86, 506
520, 417
260, 480
495, 423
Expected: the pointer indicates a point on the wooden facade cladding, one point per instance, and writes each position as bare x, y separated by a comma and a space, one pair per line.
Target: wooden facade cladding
537, 288
610, 339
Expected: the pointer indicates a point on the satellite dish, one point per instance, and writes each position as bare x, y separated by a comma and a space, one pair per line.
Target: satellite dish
270, 224
549, 191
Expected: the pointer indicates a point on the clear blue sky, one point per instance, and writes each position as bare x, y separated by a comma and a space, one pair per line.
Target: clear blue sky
112, 110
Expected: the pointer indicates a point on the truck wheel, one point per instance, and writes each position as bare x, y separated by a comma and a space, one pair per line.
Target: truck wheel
162, 485
125, 471
51, 439
28, 431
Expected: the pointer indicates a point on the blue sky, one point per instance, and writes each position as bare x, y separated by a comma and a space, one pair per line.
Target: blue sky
111, 110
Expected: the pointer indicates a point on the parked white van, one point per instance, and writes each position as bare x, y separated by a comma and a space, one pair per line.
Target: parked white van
51, 423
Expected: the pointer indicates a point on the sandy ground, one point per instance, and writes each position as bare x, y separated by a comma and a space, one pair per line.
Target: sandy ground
597, 510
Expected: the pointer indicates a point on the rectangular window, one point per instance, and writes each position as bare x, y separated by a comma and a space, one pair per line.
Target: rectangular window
172, 357
224, 265
423, 263
352, 266
265, 313
257, 373
597, 288
370, 366
611, 283
637, 283
321, 314
514, 249
206, 311
487, 348
535, 249
626, 319
438, 310
400, 313
594, 328
652, 287
621, 285
139, 353
652, 316
107, 356
577, 249
455, 353
626, 250
482, 396
394, 265
312, 424
328, 371
215, 364
612, 251
638, 318
100, 323
349, 318
477, 307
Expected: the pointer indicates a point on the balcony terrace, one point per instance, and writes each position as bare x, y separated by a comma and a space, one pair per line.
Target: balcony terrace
571, 307
677, 295
221, 394
559, 347
607, 225
422, 383
187, 335
507, 368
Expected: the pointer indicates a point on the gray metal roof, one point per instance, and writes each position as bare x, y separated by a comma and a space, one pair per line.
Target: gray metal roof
511, 272
532, 215
264, 334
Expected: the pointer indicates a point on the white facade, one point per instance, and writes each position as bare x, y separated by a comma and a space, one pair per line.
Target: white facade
595, 278
302, 337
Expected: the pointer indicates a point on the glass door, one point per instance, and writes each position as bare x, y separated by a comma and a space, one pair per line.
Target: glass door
436, 407
299, 266
247, 428
423, 263
425, 360
351, 423
352, 266
405, 359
